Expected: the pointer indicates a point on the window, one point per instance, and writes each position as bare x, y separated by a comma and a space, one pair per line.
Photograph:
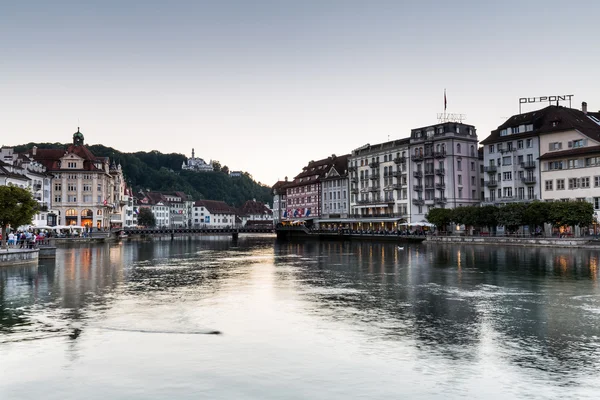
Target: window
514, 129
57, 187
555, 146
473, 180
508, 192
491, 149
574, 183
509, 146
71, 165
472, 165
57, 198
460, 179
503, 132
529, 143
585, 182
87, 198
459, 165
507, 160
577, 143
597, 181
458, 148
460, 193
555, 165
507, 176
596, 203
548, 185
519, 144
72, 198
72, 187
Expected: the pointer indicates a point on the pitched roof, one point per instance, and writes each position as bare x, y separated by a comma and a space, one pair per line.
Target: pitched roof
253, 207
215, 207
50, 158
571, 152
318, 169
549, 120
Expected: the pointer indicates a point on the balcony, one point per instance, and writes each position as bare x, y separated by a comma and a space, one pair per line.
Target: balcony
374, 189
418, 174
492, 183
418, 202
397, 186
440, 171
354, 190
351, 168
374, 164
492, 169
37, 186
418, 188
528, 180
429, 186
429, 172
400, 160
374, 177
440, 186
528, 164
429, 154
397, 174
441, 200
354, 180
417, 157
439, 154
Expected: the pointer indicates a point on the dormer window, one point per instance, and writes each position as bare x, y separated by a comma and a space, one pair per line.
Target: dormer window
71, 164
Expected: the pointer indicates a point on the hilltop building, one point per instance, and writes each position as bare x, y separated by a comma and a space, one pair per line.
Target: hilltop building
197, 164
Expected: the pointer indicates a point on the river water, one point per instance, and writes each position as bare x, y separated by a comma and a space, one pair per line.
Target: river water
301, 321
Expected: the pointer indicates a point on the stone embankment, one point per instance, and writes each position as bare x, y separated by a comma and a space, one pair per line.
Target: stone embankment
18, 256
517, 241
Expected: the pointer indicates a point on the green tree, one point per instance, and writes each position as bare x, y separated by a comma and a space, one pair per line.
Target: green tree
467, 216
216, 166
487, 216
146, 218
511, 216
440, 217
537, 214
572, 213
17, 207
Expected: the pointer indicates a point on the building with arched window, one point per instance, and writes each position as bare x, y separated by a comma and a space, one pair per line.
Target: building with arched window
85, 190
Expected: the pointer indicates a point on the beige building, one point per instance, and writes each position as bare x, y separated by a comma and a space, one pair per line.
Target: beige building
85, 190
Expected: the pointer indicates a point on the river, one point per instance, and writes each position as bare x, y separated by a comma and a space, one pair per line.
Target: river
258, 319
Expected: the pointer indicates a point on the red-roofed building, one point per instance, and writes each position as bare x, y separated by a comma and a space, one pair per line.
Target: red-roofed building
85, 190
255, 213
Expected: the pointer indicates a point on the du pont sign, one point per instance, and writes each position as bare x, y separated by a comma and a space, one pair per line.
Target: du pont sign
542, 99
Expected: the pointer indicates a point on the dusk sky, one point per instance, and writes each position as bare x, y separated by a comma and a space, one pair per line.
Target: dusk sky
266, 86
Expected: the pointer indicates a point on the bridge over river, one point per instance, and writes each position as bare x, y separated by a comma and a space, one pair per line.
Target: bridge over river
234, 232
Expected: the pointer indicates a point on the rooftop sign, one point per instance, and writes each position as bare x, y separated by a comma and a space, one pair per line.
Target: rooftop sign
542, 99
443, 117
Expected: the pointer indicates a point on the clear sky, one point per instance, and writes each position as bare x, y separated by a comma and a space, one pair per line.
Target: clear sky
266, 86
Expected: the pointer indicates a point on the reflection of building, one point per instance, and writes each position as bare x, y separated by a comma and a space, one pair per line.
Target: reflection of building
210, 213
85, 190
197, 164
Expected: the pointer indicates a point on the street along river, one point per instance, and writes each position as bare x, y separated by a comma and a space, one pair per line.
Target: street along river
257, 319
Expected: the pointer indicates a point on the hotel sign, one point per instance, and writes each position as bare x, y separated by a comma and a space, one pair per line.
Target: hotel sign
542, 99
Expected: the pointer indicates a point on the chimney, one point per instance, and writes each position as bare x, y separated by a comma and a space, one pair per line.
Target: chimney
34, 150
286, 179
584, 107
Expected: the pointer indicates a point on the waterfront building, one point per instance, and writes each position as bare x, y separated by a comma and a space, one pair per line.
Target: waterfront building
511, 155
131, 208
335, 189
570, 160
255, 213
197, 164
545, 154
20, 170
159, 206
279, 191
378, 176
84, 189
303, 194
213, 214
444, 169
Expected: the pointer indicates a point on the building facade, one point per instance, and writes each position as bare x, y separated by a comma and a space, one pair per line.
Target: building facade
444, 165
279, 191
213, 214
197, 164
335, 190
378, 176
84, 190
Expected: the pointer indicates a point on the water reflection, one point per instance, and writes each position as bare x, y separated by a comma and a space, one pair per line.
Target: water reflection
450, 308
539, 305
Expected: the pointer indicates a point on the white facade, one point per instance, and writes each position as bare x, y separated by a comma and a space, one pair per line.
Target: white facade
197, 164
378, 180
207, 215
335, 193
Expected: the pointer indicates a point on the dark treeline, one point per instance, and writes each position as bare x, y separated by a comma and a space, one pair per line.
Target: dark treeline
513, 216
162, 172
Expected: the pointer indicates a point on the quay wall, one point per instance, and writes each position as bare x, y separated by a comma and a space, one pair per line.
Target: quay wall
18, 256
516, 241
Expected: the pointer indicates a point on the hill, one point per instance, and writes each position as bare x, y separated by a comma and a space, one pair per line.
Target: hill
162, 172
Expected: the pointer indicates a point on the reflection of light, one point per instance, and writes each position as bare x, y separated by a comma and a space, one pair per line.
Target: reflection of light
594, 267
458, 256
562, 263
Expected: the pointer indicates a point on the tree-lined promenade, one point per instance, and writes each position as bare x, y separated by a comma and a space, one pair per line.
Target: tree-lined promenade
512, 217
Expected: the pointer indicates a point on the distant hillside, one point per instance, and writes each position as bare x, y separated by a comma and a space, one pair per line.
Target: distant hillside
162, 172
